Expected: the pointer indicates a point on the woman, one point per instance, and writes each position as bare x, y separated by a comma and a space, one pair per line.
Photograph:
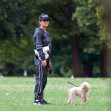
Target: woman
42, 48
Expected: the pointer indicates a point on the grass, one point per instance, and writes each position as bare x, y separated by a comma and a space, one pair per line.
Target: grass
16, 94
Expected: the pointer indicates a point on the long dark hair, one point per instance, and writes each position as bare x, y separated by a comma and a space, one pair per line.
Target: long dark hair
39, 23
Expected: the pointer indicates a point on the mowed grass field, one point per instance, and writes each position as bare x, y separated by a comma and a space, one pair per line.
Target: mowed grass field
16, 94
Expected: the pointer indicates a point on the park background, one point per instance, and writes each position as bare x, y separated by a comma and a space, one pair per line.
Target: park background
79, 31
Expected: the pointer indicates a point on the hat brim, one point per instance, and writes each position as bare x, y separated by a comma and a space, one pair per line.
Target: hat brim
46, 18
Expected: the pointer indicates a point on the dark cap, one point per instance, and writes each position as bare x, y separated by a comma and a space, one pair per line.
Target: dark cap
43, 16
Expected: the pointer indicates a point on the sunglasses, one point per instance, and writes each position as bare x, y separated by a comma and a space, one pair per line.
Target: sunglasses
46, 20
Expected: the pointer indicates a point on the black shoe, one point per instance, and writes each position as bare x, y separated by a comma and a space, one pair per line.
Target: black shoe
45, 102
39, 102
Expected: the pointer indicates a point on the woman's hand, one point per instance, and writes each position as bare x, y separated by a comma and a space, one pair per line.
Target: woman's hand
44, 63
50, 65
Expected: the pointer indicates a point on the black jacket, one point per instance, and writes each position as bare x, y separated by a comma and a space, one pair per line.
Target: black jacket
41, 39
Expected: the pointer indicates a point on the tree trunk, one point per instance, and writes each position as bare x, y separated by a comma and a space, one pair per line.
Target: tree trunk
76, 65
103, 64
106, 61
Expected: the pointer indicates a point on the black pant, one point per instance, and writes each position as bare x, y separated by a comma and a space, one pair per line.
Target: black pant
41, 80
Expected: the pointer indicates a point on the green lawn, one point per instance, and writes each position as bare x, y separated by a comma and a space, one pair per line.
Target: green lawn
16, 94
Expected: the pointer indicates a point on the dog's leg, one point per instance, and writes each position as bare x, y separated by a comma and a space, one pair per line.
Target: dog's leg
69, 102
73, 101
82, 101
86, 99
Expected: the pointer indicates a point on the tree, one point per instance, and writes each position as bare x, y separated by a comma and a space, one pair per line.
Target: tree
15, 42
104, 23
66, 27
72, 28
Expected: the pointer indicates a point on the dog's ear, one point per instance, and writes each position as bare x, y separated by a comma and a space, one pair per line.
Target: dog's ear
89, 86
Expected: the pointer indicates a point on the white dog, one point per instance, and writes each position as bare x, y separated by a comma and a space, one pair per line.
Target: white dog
81, 91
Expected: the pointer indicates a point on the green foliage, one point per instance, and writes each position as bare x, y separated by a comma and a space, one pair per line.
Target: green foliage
104, 19
18, 54
90, 46
15, 42
69, 18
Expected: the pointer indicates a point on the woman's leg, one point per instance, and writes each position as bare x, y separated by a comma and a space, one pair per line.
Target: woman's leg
44, 77
39, 84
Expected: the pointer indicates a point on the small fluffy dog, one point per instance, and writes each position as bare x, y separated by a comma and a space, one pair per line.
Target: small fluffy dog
81, 91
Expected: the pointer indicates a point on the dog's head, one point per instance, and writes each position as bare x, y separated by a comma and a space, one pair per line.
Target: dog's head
85, 86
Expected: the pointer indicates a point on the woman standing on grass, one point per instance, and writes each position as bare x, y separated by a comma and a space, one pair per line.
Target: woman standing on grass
42, 48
